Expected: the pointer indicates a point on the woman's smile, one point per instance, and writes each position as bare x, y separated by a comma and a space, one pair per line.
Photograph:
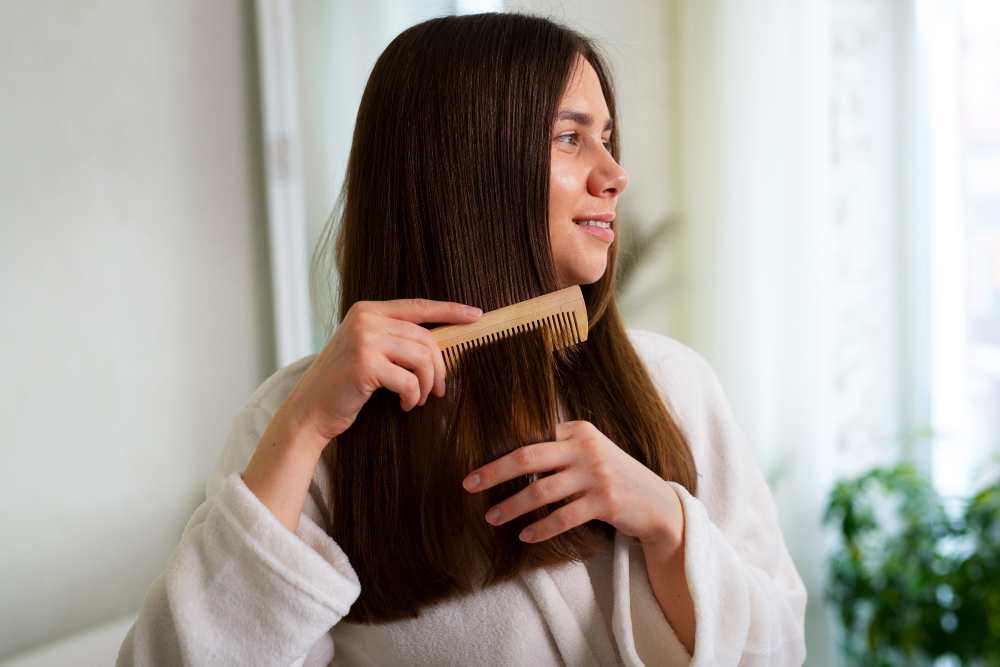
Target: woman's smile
598, 227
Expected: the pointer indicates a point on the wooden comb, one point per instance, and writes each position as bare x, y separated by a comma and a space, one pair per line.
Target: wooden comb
563, 312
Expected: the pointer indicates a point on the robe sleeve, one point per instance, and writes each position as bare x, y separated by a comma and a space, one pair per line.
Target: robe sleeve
240, 588
748, 597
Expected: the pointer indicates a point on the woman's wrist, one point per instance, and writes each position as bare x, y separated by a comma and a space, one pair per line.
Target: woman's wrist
282, 467
293, 430
664, 545
663, 550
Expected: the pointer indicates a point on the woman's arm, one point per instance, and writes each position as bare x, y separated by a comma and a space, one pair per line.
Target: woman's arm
282, 468
665, 567
748, 597
379, 344
240, 588
254, 580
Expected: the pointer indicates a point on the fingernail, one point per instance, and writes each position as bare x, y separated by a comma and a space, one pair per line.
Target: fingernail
472, 312
493, 515
527, 535
471, 482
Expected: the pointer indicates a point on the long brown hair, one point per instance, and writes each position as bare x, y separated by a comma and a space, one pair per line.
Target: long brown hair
446, 198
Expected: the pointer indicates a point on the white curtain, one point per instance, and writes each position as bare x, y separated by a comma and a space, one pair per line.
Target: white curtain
756, 187
803, 252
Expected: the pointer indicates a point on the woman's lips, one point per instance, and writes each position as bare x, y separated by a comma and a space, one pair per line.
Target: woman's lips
606, 235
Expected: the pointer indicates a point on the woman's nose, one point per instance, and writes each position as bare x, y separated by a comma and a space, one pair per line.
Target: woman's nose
607, 177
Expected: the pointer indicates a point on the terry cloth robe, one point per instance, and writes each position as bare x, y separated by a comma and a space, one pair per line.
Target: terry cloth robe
240, 589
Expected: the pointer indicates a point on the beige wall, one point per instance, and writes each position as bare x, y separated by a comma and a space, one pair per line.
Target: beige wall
134, 302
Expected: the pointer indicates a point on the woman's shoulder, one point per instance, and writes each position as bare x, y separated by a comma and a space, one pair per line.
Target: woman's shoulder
692, 391
671, 364
685, 380
273, 391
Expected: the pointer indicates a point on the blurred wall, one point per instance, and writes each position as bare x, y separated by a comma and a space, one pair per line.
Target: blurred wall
134, 302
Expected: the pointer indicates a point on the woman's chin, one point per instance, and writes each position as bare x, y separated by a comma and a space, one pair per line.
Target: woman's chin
582, 276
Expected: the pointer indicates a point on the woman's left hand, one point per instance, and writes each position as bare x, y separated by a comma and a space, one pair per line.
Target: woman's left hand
601, 482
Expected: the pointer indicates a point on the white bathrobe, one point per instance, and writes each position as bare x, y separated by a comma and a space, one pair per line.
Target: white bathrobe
240, 589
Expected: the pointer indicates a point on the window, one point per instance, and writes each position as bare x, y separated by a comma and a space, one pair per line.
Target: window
961, 42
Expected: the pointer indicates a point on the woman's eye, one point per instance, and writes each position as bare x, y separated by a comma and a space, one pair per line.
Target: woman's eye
573, 138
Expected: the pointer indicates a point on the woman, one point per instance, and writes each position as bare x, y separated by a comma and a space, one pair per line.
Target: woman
345, 518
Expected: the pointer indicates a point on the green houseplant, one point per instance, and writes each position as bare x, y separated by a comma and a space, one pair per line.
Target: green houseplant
911, 581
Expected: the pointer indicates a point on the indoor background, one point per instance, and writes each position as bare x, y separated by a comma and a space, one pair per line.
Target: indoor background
814, 204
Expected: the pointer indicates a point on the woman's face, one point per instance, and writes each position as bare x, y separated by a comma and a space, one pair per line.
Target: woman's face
584, 181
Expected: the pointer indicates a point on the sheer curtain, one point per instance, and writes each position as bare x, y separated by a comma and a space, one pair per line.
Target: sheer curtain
760, 246
804, 243
805, 259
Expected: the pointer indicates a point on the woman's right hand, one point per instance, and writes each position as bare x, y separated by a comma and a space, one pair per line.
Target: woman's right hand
378, 344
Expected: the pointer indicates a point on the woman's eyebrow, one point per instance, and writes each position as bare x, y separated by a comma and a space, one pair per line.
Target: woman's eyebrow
581, 117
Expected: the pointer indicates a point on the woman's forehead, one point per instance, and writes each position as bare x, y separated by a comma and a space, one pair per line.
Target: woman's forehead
584, 97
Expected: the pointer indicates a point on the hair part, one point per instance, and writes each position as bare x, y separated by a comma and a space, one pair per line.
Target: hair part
446, 198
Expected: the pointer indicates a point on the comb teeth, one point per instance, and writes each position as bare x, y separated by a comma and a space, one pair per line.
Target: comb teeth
563, 313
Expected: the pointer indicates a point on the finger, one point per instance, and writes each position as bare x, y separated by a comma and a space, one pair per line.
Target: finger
415, 358
544, 491
539, 458
401, 381
421, 311
567, 430
565, 518
418, 334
